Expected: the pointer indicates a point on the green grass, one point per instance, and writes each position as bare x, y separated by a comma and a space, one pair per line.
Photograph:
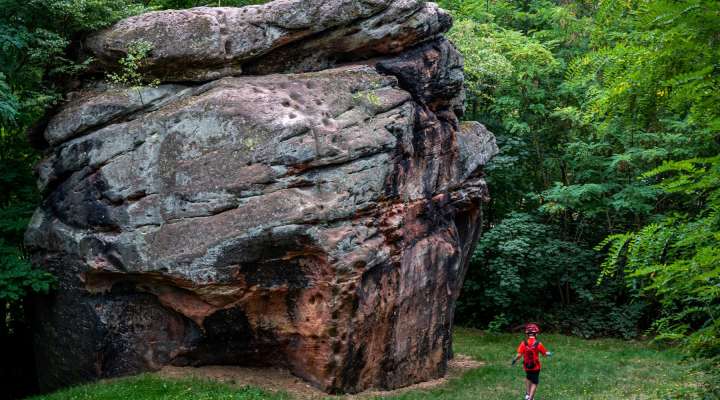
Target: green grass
580, 369
606, 369
150, 387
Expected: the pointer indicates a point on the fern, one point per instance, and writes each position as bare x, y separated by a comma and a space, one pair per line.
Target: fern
678, 259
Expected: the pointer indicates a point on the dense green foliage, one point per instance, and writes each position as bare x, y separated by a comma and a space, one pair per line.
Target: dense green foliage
17, 277
523, 268
676, 259
607, 117
604, 369
661, 90
544, 218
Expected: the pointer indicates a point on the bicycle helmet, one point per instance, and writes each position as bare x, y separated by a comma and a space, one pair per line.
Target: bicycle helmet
532, 329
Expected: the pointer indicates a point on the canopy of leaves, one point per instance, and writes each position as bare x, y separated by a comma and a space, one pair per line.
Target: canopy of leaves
653, 87
607, 118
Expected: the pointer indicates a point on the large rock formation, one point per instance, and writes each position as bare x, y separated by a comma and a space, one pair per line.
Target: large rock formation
297, 192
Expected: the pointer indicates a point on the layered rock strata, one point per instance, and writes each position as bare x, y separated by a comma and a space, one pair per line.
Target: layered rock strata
297, 192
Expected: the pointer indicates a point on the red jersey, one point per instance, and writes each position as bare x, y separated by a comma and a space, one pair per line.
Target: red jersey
540, 348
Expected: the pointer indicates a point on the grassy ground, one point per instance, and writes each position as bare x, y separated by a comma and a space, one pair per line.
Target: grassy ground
580, 369
150, 387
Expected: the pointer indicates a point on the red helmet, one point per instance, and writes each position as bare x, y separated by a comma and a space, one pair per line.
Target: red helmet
532, 328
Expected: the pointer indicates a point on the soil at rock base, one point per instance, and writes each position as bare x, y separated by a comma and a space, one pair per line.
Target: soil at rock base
281, 380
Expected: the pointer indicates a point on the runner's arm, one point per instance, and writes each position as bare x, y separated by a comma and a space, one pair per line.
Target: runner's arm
544, 351
520, 351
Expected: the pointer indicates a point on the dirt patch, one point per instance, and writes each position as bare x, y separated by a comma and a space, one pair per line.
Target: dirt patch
281, 380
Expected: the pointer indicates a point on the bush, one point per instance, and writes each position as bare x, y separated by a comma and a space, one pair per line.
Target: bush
522, 270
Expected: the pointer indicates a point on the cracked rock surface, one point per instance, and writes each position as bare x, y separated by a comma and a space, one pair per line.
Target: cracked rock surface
298, 192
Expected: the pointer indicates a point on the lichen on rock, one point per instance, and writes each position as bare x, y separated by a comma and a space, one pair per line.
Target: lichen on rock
297, 192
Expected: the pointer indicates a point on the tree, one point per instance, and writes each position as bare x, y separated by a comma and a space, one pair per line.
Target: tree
516, 60
657, 82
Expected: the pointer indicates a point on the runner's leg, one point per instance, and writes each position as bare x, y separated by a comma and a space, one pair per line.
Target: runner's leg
531, 390
527, 387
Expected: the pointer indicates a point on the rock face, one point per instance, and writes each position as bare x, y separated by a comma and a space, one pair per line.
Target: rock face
298, 192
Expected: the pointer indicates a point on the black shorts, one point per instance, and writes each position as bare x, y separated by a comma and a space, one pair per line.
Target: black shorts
533, 376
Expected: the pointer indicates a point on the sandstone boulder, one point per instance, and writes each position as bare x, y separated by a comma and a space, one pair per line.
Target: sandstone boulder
207, 43
316, 213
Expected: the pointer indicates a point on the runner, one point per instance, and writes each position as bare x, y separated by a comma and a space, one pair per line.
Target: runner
528, 351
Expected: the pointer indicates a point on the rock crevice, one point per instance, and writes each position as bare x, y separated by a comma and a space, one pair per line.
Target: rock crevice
307, 197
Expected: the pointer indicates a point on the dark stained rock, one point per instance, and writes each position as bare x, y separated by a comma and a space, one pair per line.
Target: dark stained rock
320, 221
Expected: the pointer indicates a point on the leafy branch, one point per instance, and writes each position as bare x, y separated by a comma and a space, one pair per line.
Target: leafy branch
130, 74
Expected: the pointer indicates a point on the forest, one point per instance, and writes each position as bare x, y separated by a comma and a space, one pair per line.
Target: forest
605, 212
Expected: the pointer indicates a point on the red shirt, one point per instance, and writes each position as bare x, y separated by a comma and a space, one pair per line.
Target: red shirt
540, 348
